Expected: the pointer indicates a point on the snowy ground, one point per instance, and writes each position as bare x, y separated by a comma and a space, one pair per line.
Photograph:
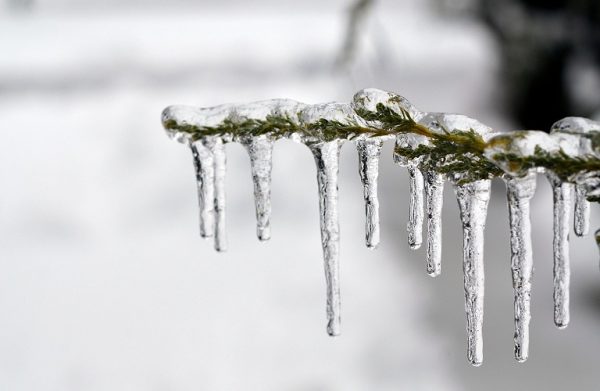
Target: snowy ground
106, 284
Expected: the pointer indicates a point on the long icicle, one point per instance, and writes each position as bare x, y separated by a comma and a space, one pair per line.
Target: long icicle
368, 168
220, 160
415, 207
260, 150
434, 198
562, 273
582, 212
205, 180
597, 237
327, 160
473, 199
519, 193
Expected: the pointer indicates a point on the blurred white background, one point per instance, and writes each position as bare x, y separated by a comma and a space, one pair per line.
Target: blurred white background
105, 283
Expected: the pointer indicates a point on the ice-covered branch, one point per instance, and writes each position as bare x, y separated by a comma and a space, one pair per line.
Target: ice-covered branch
434, 147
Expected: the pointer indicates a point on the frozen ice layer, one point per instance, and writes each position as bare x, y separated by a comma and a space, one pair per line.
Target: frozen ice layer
456, 146
519, 192
260, 149
473, 199
368, 100
327, 160
588, 133
434, 199
183, 122
510, 151
369, 151
434, 147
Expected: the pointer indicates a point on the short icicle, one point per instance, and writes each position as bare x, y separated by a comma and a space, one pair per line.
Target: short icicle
434, 198
473, 199
220, 161
582, 212
519, 193
260, 149
369, 151
205, 179
562, 210
327, 160
415, 207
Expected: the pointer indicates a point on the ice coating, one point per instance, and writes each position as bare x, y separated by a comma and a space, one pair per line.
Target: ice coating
442, 122
260, 149
255, 110
582, 127
327, 160
519, 192
192, 116
205, 180
582, 211
339, 113
435, 147
220, 161
415, 207
415, 186
473, 199
597, 237
561, 194
522, 143
368, 99
578, 126
590, 182
448, 124
434, 199
369, 151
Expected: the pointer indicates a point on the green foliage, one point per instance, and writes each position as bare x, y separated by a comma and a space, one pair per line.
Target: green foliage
457, 153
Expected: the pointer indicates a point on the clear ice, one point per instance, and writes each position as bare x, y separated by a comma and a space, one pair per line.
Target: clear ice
205, 179
327, 160
597, 237
582, 212
368, 168
573, 128
260, 149
312, 125
473, 199
220, 159
415, 207
368, 99
561, 194
519, 192
434, 199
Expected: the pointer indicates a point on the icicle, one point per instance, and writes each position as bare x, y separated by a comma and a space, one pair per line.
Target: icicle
434, 192
368, 168
597, 237
519, 193
582, 211
260, 150
327, 159
220, 160
562, 210
473, 199
415, 207
204, 166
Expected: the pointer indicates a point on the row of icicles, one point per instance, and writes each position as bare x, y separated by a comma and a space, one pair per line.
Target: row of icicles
426, 189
